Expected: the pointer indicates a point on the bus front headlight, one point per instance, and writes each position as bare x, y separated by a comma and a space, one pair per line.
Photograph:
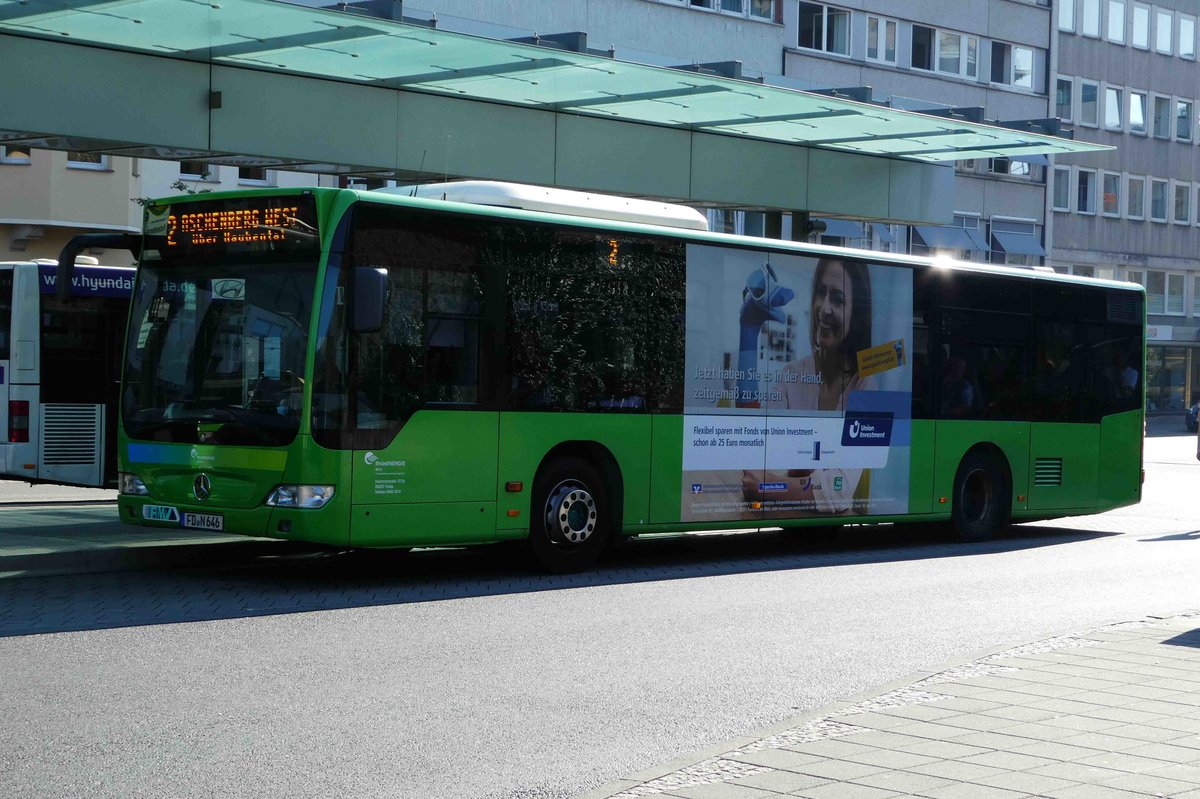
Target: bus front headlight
130, 483
299, 496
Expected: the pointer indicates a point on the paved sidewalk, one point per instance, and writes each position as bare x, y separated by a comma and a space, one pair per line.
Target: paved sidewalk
1111, 713
73, 537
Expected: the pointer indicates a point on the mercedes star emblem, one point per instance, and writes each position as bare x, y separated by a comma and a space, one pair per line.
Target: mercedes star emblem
202, 487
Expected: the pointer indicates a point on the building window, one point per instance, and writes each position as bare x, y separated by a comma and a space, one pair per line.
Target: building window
1089, 98
253, 175
824, 28
1116, 21
1162, 31
1164, 292
15, 154
1062, 188
1162, 117
1015, 168
1135, 202
1063, 95
762, 9
1183, 120
1195, 306
922, 47
1158, 200
1137, 112
371, 184
1085, 196
1012, 65
1141, 26
1175, 284
1110, 204
1187, 36
945, 51
1009, 255
1091, 18
1112, 108
195, 170
1066, 15
82, 160
881, 39
1183, 199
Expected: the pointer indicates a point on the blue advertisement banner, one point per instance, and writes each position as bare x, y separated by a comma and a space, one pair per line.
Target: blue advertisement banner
90, 281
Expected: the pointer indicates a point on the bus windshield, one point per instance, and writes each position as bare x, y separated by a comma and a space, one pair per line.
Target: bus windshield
216, 352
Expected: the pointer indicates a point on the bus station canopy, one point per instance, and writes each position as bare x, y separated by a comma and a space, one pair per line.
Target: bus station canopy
332, 45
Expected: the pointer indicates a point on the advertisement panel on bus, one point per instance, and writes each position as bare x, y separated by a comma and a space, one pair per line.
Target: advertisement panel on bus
798, 389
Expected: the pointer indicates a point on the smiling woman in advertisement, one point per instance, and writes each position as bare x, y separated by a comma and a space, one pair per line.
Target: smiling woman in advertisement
839, 327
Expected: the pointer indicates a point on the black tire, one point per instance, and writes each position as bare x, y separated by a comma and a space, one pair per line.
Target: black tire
571, 517
982, 498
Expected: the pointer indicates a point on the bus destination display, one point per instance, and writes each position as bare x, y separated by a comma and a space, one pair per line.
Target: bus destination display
247, 224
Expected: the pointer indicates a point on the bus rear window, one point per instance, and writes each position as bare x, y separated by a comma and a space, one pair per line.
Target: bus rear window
6, 290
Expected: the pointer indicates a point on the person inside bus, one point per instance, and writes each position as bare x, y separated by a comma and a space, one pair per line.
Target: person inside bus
958, 395
839, 327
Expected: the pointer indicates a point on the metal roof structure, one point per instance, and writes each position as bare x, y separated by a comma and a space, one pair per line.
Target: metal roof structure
297, 40
268, 84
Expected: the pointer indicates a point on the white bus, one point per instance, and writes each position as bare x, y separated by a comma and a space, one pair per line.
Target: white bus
60, 372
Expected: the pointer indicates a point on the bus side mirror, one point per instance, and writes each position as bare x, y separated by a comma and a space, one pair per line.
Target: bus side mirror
370, 295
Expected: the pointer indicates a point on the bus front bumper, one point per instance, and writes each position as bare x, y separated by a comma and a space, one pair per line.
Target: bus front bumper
315, 526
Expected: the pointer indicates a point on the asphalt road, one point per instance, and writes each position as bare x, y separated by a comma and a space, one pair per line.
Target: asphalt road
447, 674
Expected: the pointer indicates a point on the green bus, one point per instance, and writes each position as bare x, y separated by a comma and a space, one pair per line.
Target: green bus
476, 362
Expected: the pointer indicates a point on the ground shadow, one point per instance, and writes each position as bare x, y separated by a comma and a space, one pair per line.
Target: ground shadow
1190, 638
263, 585
1193, 535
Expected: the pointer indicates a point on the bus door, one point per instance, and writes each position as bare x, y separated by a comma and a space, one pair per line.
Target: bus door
19, 390
431, 471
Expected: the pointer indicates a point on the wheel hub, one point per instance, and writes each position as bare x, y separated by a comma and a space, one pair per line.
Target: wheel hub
570, 513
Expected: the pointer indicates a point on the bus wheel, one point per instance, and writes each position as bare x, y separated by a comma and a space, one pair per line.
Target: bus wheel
571, 519
981, 498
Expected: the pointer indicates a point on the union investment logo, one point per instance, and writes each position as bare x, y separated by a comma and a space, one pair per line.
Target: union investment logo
854, 429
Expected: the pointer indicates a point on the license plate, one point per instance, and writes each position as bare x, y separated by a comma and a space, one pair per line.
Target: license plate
160, 513
204, 521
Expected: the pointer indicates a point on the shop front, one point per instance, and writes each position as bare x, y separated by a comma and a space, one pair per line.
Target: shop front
1172, 371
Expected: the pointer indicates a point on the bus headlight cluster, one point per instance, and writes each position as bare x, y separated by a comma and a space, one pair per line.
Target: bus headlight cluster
299, 496
129, 483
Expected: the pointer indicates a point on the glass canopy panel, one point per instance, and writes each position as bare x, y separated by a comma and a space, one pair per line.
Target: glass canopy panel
274, 36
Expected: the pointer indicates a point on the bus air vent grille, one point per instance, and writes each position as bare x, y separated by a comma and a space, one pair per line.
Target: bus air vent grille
71, 434
1047, 472
1123, 308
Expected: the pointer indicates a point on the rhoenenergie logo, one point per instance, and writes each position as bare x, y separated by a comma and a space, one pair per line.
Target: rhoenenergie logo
867, 430
371, 459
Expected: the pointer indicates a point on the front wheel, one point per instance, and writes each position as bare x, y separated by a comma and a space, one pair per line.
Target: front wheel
982, 498
572, 522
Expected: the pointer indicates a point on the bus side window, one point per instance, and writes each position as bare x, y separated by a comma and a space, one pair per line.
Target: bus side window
6, 288
454, 308
984, 348
1059, 355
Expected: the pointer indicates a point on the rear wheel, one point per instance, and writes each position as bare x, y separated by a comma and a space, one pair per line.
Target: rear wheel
982, 498
572, 522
